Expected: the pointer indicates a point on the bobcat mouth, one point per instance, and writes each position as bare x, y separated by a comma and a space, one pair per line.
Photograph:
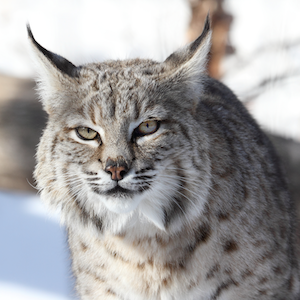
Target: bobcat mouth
118, 192
119, 200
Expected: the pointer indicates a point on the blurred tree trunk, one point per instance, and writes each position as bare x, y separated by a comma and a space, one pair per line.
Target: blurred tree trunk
21, 121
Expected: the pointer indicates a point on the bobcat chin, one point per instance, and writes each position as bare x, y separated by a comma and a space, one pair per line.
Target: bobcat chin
167, 186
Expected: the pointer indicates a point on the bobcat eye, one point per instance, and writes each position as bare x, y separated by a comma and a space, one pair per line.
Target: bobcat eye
86, 133
147, 127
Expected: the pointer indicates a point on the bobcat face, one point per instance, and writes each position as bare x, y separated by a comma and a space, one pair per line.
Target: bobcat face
124, 164
122, 147
121, 136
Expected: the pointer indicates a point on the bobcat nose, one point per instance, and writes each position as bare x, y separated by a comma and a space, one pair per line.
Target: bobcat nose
118, 169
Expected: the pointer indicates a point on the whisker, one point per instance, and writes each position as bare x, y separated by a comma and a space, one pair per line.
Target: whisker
36, 188
185, 188
183, 212
195, 182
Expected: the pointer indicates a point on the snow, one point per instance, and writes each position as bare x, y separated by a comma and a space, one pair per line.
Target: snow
90, 30
34, 257
16, 292
265, 70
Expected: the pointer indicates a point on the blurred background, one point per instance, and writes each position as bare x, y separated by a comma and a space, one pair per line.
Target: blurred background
255, 51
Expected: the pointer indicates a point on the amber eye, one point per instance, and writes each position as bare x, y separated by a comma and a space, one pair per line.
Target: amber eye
86, 133
147, 127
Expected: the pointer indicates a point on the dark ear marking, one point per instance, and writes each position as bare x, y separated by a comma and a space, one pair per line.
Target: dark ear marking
58, 61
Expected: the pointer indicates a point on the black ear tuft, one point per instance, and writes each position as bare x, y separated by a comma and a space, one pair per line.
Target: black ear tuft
58, 61
205, 31
201, 46
30, 35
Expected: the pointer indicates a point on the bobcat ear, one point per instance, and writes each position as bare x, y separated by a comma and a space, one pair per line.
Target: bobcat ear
191, 60
55, 72
51, 59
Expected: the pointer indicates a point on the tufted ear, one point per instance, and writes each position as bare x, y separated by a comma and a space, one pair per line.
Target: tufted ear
185, 69
192, 59
56, 74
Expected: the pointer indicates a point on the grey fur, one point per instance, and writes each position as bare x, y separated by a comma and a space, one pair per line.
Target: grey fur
203, 211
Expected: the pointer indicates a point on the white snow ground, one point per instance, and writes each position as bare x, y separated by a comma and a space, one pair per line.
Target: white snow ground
34, 258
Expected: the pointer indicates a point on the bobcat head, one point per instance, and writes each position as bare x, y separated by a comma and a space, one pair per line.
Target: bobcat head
122, 141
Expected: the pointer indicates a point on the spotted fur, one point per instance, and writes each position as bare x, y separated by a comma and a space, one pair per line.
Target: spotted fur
201, 210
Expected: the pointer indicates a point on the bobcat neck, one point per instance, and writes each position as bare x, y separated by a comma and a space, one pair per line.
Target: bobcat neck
157, 264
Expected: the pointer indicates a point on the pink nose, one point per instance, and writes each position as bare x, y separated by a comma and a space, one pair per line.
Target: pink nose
117, 168
117, 173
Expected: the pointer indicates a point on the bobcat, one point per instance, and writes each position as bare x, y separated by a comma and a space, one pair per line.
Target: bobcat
167, 186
